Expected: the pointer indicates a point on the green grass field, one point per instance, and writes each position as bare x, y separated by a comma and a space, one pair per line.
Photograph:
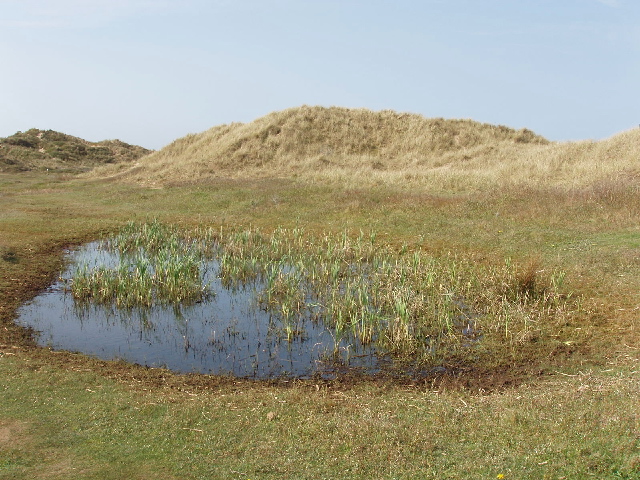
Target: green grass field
562, 404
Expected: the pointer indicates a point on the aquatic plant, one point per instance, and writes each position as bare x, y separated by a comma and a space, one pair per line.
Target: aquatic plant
407, 303
156, 265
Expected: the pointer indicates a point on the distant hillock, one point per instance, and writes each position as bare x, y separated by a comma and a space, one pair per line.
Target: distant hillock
307, 140
50, 150
360, 146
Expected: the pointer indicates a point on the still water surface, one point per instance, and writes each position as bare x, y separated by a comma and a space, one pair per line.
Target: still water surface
226, 334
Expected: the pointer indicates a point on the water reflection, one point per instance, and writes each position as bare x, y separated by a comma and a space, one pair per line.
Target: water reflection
226, 334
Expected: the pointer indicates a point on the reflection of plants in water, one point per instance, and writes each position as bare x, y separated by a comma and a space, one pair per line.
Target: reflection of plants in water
157, 265
407, 303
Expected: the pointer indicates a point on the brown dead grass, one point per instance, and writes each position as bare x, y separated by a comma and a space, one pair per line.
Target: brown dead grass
304, 140
363, 148
12, 433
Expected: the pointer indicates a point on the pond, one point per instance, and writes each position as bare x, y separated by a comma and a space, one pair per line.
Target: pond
227, 332
284, 304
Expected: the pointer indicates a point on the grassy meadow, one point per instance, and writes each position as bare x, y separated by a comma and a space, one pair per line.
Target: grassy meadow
557, 399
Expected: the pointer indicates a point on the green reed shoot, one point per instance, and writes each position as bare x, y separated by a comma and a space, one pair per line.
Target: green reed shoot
406, 303
157, 265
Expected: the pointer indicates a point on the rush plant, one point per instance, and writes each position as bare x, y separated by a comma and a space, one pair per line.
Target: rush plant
409, 304
156, 265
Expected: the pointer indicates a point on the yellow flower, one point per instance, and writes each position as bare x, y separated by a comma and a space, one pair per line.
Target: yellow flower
500, 475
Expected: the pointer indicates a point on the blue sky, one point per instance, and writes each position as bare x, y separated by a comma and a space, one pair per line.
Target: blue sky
148, 72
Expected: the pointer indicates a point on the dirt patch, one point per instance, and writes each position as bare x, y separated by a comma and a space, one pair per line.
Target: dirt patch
29, 270
63, 468
12, 433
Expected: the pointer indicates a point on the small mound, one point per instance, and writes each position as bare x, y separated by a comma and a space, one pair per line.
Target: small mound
307, 139
50, 150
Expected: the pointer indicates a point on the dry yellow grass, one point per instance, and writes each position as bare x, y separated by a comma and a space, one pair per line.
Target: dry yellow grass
363, 147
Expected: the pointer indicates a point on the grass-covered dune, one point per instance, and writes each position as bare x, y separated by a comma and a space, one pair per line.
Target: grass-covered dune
327, 141
328, 144
558, 401
48, 150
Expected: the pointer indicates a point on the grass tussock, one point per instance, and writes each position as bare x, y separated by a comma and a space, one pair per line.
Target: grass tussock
155, 264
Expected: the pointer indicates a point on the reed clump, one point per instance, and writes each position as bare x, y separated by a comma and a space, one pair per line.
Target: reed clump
409, 304
154, 264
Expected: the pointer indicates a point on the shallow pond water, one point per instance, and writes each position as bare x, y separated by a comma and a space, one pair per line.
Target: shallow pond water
226, 334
